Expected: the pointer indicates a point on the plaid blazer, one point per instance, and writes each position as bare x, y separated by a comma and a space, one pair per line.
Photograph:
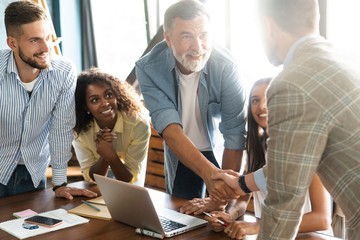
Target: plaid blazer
314, 125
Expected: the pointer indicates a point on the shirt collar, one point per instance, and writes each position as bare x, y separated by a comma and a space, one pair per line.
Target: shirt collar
171, 59
11, 67
293, 48
119, 125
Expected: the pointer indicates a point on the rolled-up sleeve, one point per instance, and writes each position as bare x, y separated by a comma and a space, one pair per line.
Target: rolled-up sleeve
85, 156
60, 134
160, 97
136, 151
260, 179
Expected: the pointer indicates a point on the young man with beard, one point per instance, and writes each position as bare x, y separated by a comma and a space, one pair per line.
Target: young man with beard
37, 107
188, 84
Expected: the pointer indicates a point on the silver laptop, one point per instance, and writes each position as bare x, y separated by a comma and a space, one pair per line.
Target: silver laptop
132, 205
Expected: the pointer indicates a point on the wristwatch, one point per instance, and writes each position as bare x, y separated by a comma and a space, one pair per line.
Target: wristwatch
62, 185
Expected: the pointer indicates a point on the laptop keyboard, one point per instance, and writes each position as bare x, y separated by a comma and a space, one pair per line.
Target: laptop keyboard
170, 225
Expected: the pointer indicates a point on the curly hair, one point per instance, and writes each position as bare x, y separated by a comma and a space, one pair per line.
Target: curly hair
128, 101
256, 139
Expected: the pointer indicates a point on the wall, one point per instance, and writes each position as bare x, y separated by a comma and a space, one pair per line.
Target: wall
70, 31
3, 5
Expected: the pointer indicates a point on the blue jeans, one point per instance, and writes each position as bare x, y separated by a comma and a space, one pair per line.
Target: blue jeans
187, 184
20, 182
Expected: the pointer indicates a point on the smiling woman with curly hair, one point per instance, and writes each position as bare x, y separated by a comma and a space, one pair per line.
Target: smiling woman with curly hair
112, 128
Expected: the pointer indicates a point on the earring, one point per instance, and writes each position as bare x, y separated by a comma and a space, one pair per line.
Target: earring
88, 112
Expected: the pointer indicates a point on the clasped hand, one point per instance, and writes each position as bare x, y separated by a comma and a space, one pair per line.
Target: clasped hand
225, 185
104, 143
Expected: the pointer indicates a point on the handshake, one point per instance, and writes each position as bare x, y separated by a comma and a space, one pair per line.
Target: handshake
228, 184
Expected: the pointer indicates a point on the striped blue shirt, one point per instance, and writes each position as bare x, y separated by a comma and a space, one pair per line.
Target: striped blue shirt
36, 128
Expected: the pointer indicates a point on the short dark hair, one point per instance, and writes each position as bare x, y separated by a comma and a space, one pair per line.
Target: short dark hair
293, 16
22, 12
185, 9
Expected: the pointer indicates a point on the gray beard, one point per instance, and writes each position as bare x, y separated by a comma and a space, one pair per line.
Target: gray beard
193, 66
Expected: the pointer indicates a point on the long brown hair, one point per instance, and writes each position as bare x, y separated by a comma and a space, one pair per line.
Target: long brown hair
256, 138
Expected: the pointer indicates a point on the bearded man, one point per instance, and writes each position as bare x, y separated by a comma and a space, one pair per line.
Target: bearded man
192, 89
37, 110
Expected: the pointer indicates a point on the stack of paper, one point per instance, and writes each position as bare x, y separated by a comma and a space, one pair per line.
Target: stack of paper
25, 213
14, 227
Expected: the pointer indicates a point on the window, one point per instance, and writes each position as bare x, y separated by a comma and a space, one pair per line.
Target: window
241, 36
342, 25
121, 35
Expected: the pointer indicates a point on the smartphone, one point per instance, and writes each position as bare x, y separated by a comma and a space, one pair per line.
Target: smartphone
43, 221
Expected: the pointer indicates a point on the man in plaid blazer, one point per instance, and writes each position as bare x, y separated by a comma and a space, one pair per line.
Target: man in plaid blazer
314, 121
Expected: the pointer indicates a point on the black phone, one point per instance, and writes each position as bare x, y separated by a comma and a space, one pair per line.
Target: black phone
43, 221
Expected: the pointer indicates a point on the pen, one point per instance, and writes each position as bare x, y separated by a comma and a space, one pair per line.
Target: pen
149, 233
218, 220
90, 205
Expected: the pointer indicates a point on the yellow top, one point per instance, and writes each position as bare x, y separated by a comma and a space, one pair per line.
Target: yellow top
131, 145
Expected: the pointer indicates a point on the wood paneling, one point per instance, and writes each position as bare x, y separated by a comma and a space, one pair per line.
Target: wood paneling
155, 164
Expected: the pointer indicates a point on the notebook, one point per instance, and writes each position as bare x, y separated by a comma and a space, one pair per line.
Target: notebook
132, 205
86, 211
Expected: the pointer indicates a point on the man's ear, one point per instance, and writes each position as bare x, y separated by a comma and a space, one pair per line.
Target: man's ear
167, 38
11, 42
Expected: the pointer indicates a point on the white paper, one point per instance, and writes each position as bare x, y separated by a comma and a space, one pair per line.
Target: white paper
14, 227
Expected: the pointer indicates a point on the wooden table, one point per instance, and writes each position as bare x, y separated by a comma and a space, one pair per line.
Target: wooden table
41, 201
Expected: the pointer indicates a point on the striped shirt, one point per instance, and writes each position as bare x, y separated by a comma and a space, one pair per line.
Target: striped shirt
314, 126
36, 129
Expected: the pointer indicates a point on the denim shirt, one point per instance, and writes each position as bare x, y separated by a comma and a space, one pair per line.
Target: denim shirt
220, 93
